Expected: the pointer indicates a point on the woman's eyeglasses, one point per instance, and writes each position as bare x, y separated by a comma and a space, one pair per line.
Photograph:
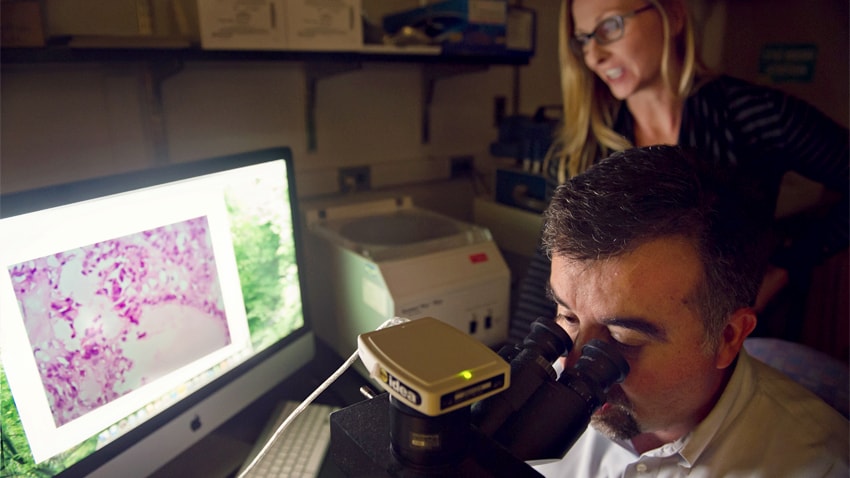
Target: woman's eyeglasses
607, 31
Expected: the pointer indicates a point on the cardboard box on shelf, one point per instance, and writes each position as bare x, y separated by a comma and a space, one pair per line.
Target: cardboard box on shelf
281, 24
324, 25
239, 25
69, 18
121, 23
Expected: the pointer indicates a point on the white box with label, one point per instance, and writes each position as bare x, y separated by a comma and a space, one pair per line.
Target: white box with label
309, 25
242, 24
324, 25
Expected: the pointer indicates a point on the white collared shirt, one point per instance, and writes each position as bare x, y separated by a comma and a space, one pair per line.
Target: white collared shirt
764, 425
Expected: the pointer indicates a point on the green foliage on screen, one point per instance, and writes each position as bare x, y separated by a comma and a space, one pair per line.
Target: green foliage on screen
265, 258
16, 459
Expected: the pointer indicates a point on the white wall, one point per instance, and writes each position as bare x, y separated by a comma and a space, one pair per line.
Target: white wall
68, 122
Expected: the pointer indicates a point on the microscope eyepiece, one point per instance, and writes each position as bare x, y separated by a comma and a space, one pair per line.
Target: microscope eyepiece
539, 416
531, 367
602, 363
548, 338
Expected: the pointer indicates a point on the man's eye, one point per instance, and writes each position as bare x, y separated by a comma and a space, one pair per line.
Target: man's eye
626, 345
627, 349
566, 319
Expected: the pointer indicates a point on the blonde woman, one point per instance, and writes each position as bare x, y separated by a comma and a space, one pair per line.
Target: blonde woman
631, 77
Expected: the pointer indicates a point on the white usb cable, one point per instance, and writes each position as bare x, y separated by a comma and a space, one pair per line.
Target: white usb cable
307, 401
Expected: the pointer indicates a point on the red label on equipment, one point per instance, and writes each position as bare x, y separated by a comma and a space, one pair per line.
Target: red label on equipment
476, 258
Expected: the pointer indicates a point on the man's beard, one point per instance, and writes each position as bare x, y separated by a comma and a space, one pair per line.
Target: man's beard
616, 419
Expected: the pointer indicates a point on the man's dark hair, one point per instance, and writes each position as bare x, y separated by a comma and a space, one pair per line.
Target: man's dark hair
642, 194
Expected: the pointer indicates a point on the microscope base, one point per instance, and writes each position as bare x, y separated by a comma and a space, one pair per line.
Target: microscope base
360, 446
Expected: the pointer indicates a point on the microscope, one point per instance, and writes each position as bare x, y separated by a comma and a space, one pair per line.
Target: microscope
455, 408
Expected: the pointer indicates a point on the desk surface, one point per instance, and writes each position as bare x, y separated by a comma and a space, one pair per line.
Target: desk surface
223, 451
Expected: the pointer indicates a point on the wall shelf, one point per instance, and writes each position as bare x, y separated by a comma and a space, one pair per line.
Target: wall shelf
63, 54
163, 61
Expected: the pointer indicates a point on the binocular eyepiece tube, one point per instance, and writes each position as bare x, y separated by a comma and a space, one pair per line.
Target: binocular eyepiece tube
541, 416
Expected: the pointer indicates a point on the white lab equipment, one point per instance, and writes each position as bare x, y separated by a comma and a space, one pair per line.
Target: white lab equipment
386, 258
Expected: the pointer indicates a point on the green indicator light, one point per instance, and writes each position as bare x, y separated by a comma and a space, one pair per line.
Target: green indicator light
466, 374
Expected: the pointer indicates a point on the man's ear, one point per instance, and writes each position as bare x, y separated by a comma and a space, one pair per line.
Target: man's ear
739, 326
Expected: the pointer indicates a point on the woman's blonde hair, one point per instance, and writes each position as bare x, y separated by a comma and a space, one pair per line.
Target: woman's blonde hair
589, 107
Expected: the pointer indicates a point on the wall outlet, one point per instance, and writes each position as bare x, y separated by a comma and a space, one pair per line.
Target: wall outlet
356, 178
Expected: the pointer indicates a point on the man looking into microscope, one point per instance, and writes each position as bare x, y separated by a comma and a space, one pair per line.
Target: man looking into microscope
661, 254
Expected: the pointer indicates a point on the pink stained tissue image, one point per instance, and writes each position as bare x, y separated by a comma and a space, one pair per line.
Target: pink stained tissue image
108, 318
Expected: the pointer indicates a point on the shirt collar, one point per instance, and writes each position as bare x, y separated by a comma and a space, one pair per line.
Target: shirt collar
738, 392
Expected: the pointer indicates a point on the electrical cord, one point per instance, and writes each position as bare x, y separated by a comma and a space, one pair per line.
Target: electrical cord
307, 401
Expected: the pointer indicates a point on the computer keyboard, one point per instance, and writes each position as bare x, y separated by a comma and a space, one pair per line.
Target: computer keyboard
300, 449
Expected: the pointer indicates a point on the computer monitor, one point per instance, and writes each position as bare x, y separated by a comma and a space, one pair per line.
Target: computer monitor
140, 311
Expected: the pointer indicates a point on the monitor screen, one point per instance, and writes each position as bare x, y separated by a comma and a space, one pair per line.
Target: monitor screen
140, 311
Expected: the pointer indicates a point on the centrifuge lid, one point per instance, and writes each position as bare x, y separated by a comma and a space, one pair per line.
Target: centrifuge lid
401, 231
